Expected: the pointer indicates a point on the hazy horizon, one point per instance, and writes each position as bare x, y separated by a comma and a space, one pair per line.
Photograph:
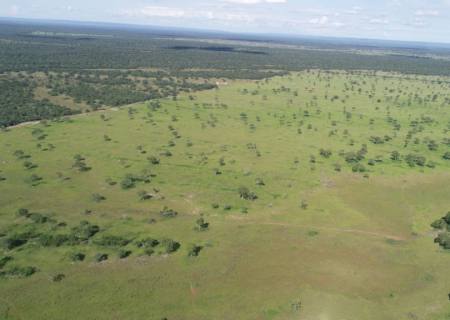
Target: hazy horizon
396, 20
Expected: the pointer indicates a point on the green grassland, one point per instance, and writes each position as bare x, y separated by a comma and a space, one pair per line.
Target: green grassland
328, 236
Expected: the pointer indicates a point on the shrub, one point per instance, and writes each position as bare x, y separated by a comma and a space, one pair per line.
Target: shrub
414, 159
22, 212
144, 195
35, 180
58, 277
80, 164
39, 218
443, 239
130, 180
168, 213
352, 157
99, 257
303, 205
313, 233
170, 245
124, 254
21, 272
147, 243
215, 205
29, 165
446, 156
149, 251
112, 241
431, 164
4, 260
96, 197
194, 250
395, 155
83, 231
325, 153
127, 183
14, 241
246, 194
53, 240
358, 168
442, 223
153, 160
439, 224
78, 256
376, 140
201, 224
260, 182
110, 182
447, 217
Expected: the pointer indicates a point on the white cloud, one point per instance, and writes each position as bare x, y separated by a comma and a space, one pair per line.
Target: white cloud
173, 13
13, 10
378, 21
338, 24
323, 20
419, 23
155, 11
254, 1
353, 10
428, 13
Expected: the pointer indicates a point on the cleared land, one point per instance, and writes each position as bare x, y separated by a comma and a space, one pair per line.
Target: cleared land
305, 222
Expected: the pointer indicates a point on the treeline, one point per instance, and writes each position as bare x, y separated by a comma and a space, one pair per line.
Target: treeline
133, 50
18, 105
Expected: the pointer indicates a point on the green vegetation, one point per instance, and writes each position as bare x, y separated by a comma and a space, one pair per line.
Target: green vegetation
307, 195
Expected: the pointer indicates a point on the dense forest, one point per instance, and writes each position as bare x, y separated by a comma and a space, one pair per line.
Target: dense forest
82, 47
18, 105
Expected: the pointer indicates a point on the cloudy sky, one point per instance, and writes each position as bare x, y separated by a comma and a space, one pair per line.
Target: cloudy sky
420, 20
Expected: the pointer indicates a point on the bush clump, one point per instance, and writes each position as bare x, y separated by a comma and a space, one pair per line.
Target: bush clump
4, 260
20, 272
58, 277
53, 240
170, 245
415, 160
201, 224
168, 213
99, 257
246, 194
15, 240
96, 197
194, 250
442, 223
77, 256
83, 232
112, 241
443, 239
80, 163
124, 254
147, 243
130, 180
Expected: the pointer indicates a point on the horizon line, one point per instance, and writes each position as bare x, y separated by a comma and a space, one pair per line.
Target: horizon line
298, 36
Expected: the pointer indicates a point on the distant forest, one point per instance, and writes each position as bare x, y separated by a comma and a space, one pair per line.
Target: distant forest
71, 48
101, 66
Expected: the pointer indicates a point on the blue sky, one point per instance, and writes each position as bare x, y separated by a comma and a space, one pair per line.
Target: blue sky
383, 19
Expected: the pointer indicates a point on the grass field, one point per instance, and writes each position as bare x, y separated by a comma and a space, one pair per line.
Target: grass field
328, 236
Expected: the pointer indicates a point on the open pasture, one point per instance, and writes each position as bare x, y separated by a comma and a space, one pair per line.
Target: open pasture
307, 196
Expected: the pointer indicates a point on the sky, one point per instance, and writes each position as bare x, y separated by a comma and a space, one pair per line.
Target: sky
411, 20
